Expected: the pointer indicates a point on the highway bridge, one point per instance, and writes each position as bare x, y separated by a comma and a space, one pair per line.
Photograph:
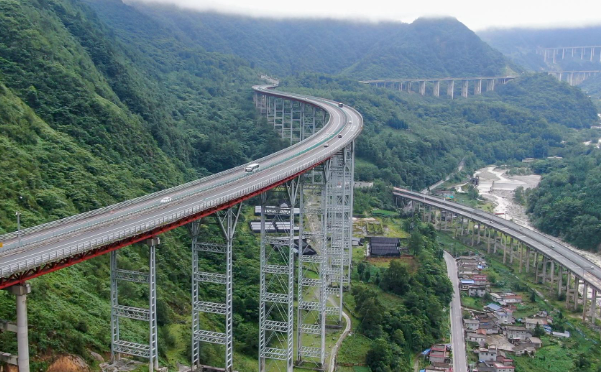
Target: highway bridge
423, 85
316, 174
552, 262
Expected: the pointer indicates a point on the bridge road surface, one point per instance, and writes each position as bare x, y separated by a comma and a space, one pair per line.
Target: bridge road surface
458, 342
577, 264
49, 247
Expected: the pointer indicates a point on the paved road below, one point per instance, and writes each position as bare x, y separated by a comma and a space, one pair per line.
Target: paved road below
336, 347
459, 357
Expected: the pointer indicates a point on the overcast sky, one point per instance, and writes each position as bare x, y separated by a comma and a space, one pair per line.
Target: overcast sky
476, 14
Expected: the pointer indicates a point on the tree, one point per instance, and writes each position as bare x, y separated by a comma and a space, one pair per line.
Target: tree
396, 278
538, 330
416, 242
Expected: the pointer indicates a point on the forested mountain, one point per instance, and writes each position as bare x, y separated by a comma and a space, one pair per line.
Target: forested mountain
520, 45
425, 48
415, 141
101, 102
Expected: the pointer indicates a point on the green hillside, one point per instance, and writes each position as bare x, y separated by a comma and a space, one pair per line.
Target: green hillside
424, 48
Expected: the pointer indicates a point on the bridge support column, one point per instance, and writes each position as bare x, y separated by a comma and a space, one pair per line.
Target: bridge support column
551, 280
511, 253
568, 289
312, 293
473, 232
576, 287
227, 221
464, 89
436, 88
276, 303
544, 269
149, 315
490, 85
559, 280
422, 88
488, 241
584, 300
528, 259
478, 87
504, 241
479, 228
494, 251
21, 329
451, 88
521, 250
535, 267
593, 306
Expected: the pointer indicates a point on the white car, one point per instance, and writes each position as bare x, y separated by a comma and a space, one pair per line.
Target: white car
166, 199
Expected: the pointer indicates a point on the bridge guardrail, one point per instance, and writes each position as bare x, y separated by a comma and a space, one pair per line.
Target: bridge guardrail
155, 195
136, 230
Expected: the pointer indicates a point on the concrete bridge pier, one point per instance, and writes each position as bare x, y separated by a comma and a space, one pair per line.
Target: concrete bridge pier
576, 287
464, 89
521, 250
593, 306
422, 88
584, 300
490, 85
494, 251
21, 328
504, 241
544, 275
436, 91
478, 87
451, 88
511, 250
528, 252
568, 289
559, 280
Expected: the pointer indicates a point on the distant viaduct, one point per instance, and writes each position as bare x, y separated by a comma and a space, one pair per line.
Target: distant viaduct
432, 85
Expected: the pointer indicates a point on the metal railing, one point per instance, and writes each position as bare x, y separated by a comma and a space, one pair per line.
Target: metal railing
126, 232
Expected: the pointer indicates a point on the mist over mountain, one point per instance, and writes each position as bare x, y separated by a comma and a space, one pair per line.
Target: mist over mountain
425, 48
520, 44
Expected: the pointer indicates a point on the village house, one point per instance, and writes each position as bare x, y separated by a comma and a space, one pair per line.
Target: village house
476, 337
504, 316
531, 323
477, 290
487, 354
500, 367
465, 284
439, 357
517, 333
471, 324
480, 279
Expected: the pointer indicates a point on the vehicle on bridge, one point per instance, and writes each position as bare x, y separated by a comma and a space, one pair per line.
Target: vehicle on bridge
251, 167
340, 104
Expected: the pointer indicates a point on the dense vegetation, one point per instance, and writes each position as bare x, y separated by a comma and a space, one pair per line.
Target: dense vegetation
402, 330
520, 44
566, 203
101, 102
415, 141
425, 48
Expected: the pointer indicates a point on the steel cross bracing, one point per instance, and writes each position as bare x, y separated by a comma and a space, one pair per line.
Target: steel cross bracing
227, 221
336, 226
311, 310
119, 346
276, 303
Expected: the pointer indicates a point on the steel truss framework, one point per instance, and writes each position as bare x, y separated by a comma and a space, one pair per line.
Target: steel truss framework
276, 303
227, 221
326, 199
311, 309
293, 120
119, 346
